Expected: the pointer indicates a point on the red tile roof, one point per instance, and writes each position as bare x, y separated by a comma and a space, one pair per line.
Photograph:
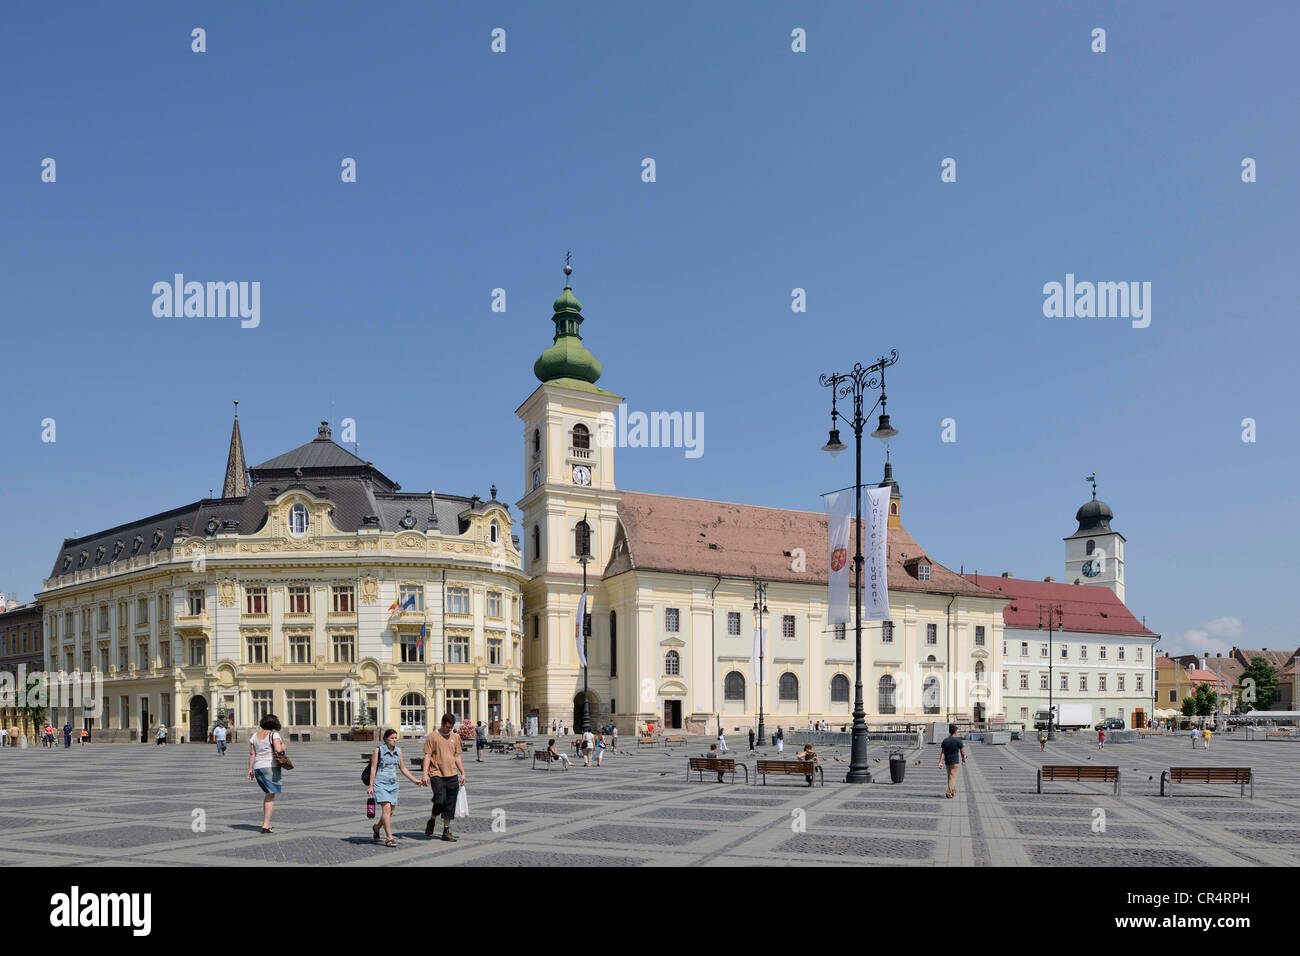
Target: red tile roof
698, 536
1210, 677
1084, 607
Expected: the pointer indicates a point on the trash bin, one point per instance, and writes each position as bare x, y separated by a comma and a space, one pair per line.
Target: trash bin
774, 740
897, 767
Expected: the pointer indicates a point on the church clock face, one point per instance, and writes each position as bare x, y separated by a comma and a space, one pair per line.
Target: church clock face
1091, 569
581, 475
537, 477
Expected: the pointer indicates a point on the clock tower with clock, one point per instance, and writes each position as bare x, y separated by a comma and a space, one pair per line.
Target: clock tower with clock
568, 479
1094, 554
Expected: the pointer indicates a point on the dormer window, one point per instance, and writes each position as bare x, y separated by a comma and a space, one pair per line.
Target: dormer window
298, 521
212, 526
67, 562
135, 545
99, 554
923, 572
494, 533
117, 548
157, 537
81, 561
408, 521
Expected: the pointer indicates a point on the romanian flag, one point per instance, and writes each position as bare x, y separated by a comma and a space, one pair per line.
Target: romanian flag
421, 640
393, 606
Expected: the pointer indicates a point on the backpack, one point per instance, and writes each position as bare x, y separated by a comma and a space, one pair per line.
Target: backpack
365, 774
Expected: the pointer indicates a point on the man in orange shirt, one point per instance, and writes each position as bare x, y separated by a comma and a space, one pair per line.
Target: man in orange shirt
444, 771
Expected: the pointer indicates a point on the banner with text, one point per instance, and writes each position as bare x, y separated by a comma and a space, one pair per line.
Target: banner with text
876, 572
577, 630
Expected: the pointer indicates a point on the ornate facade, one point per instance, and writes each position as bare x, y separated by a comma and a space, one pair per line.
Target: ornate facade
322, 588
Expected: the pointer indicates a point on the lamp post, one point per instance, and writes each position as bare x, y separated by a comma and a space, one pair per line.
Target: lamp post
856, 383
1053, 615
584, 558
760, 611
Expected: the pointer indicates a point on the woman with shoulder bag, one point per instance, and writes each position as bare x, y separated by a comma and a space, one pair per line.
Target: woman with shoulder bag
266, 758
385, 762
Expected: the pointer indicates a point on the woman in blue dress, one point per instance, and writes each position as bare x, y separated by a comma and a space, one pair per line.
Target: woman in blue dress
385, 762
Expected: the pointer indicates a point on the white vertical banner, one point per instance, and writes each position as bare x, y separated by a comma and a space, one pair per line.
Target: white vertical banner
759, 649
876, 574
839, 522
577, 630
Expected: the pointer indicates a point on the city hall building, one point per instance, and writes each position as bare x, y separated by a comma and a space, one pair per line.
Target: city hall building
312, 586
671, 592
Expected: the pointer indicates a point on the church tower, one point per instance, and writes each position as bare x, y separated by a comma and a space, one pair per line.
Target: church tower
236, 483
568, 459
1094, 554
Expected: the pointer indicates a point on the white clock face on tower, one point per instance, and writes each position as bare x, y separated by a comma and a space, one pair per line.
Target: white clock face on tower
581, 475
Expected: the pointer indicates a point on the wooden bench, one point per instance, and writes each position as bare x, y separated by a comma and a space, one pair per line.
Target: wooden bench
545, 757
650, 741
673, 740
499, 746
1078, 773
1236, 775
521, 750
795, 768
1279, 733
1150, 733
704, 765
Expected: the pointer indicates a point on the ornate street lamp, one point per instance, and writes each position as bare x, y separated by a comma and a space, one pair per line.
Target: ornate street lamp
842, 385
760, 611
1053, 615
584, 558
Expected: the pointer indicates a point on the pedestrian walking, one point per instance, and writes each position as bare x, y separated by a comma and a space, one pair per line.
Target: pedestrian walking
722, 742
162, 735
385, 762
588, 745
1205, 738
85, 735
67, 735
444, 771
219, 735
780, 740
600, 748
1042, 741
47, 736
952, 755
480, 741
262, 766
1101, 738
751, 739
613, 736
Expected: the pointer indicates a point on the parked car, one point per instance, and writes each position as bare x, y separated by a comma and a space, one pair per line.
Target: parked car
1109, 723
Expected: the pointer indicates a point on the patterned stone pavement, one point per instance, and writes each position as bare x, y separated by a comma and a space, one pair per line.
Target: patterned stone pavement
137, 805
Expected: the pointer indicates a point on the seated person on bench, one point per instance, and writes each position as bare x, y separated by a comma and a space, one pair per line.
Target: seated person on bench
556, 755
809, 756
713, 755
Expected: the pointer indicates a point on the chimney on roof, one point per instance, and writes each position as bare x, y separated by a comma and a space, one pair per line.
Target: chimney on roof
1049, 579
1006, 574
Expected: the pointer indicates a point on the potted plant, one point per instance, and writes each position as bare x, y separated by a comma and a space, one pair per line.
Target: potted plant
364, 728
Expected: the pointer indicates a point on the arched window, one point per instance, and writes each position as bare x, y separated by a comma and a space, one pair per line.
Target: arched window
581, 437
494, 532
1091, 547
537, 441
788, 689
537, 543
893, 507
297, 521
581, 538
613, 644
886, 694
411, 715
979, 672
733, 687
672, 664
930, 695
839, 689
930, 659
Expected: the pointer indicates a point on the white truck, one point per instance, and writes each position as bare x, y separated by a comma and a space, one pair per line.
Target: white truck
1068, 716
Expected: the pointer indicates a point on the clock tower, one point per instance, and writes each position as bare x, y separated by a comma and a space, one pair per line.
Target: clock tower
1094, 554
568, 458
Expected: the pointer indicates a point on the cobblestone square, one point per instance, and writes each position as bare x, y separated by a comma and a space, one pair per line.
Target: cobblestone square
183, 805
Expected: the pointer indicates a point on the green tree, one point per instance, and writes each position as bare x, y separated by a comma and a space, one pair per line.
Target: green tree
1258, 685
1189, 706
1205, 701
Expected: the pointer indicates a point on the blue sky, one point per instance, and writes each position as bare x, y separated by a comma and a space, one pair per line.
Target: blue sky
775, 170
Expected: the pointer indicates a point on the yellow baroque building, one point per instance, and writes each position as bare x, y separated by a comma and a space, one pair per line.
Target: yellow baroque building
314, 585
671, 592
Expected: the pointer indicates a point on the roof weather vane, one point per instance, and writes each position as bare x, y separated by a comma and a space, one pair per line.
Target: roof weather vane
1093, 479
568, 269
